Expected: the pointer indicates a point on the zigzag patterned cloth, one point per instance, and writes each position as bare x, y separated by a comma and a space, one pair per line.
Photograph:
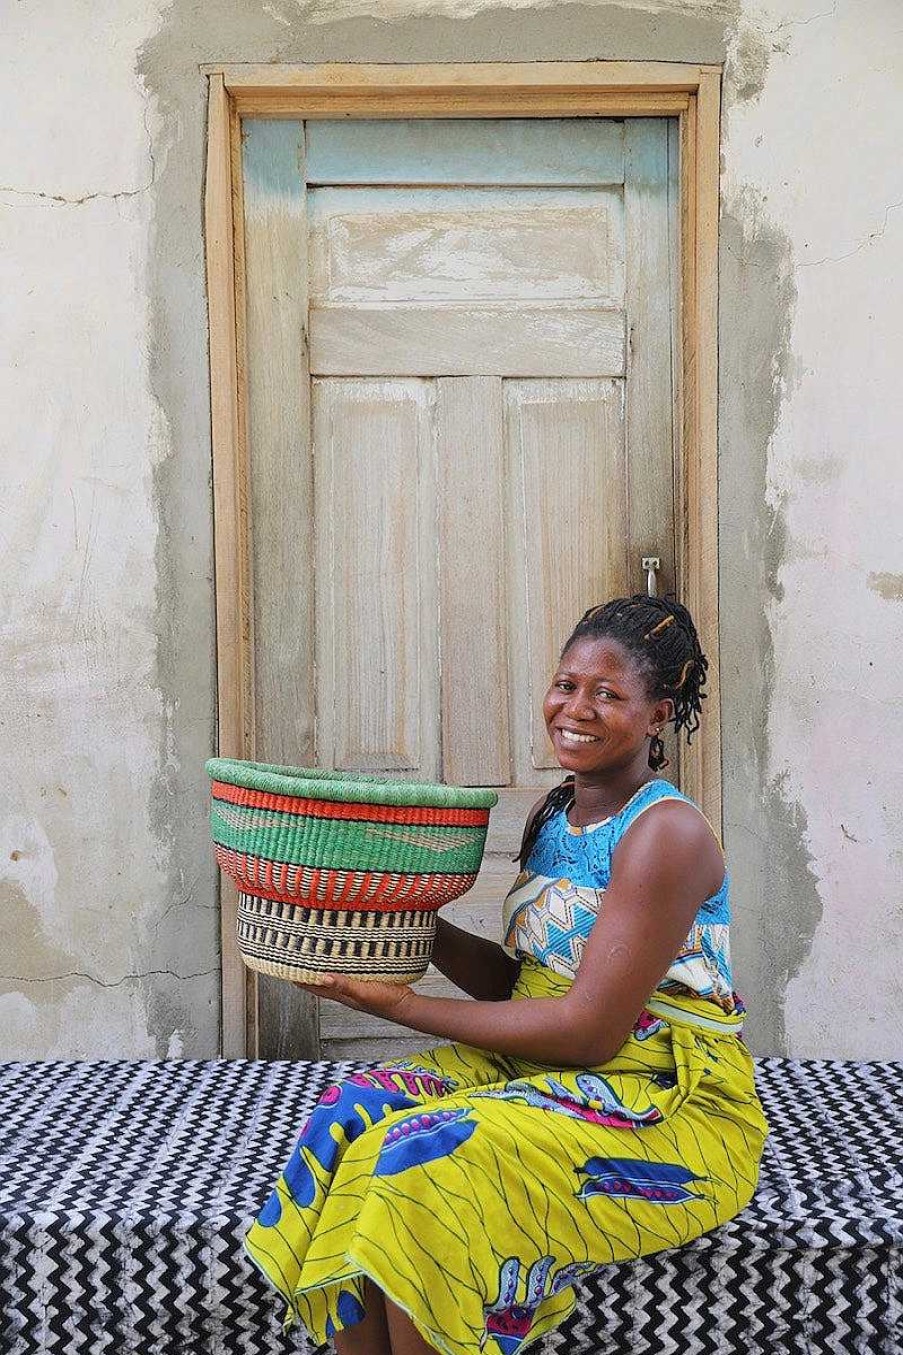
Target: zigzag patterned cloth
126, 1189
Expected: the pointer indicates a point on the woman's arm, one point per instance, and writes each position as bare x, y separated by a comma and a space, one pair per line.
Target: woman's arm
665, 866
477, 966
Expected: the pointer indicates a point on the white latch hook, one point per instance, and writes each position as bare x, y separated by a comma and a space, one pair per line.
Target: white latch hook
651, 564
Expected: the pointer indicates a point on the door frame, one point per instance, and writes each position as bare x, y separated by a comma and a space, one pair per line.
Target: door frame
615, 89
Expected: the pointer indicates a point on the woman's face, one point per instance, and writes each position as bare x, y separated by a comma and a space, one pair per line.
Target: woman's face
598, 711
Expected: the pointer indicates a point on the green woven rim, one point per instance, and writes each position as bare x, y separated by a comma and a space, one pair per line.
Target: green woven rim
347, 787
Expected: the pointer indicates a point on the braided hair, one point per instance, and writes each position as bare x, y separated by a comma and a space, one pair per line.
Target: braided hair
659, 635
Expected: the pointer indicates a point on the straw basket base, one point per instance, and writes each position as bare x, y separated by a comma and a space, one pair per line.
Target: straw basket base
291, 941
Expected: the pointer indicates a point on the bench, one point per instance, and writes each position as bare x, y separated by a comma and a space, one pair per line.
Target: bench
125, 1189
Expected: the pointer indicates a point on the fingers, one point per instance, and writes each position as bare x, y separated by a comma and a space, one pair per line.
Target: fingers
323, 987
318, 989
334, 996
382, 999
338, 988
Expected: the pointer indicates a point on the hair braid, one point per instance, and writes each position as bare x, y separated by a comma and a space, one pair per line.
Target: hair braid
559, 797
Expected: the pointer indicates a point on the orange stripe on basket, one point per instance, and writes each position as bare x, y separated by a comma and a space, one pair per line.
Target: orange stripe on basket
337, 809
335, 889
383, 884
348, 888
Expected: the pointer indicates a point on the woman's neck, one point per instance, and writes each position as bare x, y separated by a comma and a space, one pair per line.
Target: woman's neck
598, 800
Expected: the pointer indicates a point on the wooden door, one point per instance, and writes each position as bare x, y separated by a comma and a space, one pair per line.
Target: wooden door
460, 421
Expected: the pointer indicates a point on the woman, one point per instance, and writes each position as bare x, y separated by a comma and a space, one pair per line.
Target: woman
597, 1104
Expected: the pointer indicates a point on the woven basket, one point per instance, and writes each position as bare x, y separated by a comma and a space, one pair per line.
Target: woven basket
342, 872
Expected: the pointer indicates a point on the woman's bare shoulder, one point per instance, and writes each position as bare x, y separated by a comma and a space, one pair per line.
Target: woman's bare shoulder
676, 830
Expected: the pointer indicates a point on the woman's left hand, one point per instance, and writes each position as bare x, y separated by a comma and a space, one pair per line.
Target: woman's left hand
377, 998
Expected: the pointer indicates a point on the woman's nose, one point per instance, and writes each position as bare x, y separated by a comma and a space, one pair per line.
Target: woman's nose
578, 706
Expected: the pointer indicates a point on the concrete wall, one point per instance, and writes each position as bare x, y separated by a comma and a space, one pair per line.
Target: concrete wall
107, 892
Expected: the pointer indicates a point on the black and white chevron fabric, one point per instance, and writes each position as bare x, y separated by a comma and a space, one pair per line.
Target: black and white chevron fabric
125, 1189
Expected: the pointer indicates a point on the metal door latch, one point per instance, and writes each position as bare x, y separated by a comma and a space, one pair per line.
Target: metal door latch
651, 565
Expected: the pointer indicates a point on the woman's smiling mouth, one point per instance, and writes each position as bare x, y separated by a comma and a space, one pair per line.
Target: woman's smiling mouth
571, 736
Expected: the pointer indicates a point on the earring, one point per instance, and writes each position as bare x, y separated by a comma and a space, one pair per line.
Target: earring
657, 758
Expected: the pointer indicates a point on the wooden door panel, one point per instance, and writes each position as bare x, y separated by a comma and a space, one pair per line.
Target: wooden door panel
431, 151
281, 483
476, 746
375, 505
651, 193
281, 506
459, 245
467, 340
568, 463
649, 181
375, 1045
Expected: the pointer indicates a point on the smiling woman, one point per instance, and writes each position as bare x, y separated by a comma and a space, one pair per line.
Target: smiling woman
597, 1103
629, 668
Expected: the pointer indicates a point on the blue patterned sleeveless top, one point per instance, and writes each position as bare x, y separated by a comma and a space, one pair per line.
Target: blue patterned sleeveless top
555, 900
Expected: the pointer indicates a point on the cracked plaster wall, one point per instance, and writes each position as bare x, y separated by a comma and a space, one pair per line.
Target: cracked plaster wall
106, 629
814, 160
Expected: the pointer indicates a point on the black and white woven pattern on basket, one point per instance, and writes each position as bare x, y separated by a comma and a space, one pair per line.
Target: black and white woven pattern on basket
401, 942
125, 1189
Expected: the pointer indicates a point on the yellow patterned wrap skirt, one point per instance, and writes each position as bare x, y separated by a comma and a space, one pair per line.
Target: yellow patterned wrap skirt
476, 1189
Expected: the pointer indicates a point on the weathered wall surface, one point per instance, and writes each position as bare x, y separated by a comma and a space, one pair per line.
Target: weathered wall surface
106, 630
106, 892
813, 202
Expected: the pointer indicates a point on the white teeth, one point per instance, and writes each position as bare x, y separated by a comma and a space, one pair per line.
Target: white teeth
571, 737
